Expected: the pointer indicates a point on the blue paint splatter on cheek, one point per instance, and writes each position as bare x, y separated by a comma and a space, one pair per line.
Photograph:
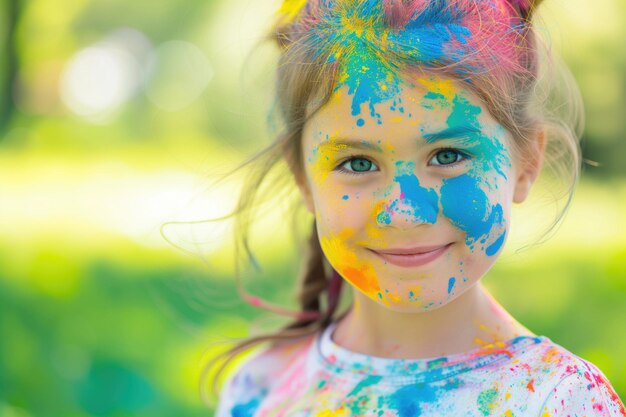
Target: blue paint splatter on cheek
345, 197
468, 207
495, 246
451, 282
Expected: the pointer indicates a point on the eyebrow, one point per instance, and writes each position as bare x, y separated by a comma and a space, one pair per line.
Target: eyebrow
339, 144
450, 133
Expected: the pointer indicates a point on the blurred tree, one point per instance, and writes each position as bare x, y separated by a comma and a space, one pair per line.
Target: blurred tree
8, 77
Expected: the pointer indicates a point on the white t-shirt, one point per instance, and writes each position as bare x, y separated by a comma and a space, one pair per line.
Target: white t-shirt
525, 376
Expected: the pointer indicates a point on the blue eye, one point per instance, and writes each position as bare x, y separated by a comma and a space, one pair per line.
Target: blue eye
447, 157
357, 165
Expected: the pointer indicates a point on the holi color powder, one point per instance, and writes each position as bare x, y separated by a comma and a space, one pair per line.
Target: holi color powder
468, 207
361, 274
451, 282
495, 246
490, 151
419, 204
486, 400
371, 44
526, 375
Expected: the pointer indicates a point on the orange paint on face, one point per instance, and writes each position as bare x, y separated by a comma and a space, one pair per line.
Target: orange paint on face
358, 273
364, 278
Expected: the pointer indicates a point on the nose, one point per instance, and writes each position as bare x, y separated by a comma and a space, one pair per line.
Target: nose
407, 203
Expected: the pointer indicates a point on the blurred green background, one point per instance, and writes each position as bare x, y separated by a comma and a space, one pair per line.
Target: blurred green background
117, 116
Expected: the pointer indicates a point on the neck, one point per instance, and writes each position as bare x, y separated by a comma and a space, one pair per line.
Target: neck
472, 320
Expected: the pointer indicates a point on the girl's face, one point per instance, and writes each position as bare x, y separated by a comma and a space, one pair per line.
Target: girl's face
411, 197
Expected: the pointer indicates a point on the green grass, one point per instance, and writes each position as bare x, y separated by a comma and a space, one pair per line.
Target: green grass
94, 322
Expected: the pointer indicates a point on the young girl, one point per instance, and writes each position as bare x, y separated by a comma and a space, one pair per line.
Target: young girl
411, 126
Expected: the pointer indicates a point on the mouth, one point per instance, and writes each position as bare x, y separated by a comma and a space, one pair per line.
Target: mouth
411, 257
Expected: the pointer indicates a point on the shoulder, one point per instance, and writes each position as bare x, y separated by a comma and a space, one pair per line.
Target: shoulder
586, 391
246, 387
574, 386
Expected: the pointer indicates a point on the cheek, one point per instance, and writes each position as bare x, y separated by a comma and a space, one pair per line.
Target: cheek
338, 208
338, 246
477, 210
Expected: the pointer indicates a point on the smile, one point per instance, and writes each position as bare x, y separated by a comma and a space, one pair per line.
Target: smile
411, 257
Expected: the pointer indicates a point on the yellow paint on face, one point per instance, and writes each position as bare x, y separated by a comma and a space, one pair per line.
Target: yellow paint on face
439, 86
374, 233
324, 161
359, 273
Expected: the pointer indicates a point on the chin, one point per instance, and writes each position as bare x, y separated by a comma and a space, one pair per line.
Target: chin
419, 296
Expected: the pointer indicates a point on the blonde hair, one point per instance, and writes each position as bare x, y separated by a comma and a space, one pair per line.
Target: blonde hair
525, 97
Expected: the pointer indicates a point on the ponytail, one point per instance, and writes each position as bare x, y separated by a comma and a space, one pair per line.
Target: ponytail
313, 283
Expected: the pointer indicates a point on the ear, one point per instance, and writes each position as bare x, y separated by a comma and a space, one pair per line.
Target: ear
300, 178
529, 167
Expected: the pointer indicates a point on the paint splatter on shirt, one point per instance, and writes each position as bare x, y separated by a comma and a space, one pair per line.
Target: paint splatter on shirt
525, 376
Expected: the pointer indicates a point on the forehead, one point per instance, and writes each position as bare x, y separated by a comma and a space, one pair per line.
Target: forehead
420, 108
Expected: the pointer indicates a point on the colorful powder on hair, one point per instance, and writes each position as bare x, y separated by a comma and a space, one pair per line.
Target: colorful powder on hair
373, 46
